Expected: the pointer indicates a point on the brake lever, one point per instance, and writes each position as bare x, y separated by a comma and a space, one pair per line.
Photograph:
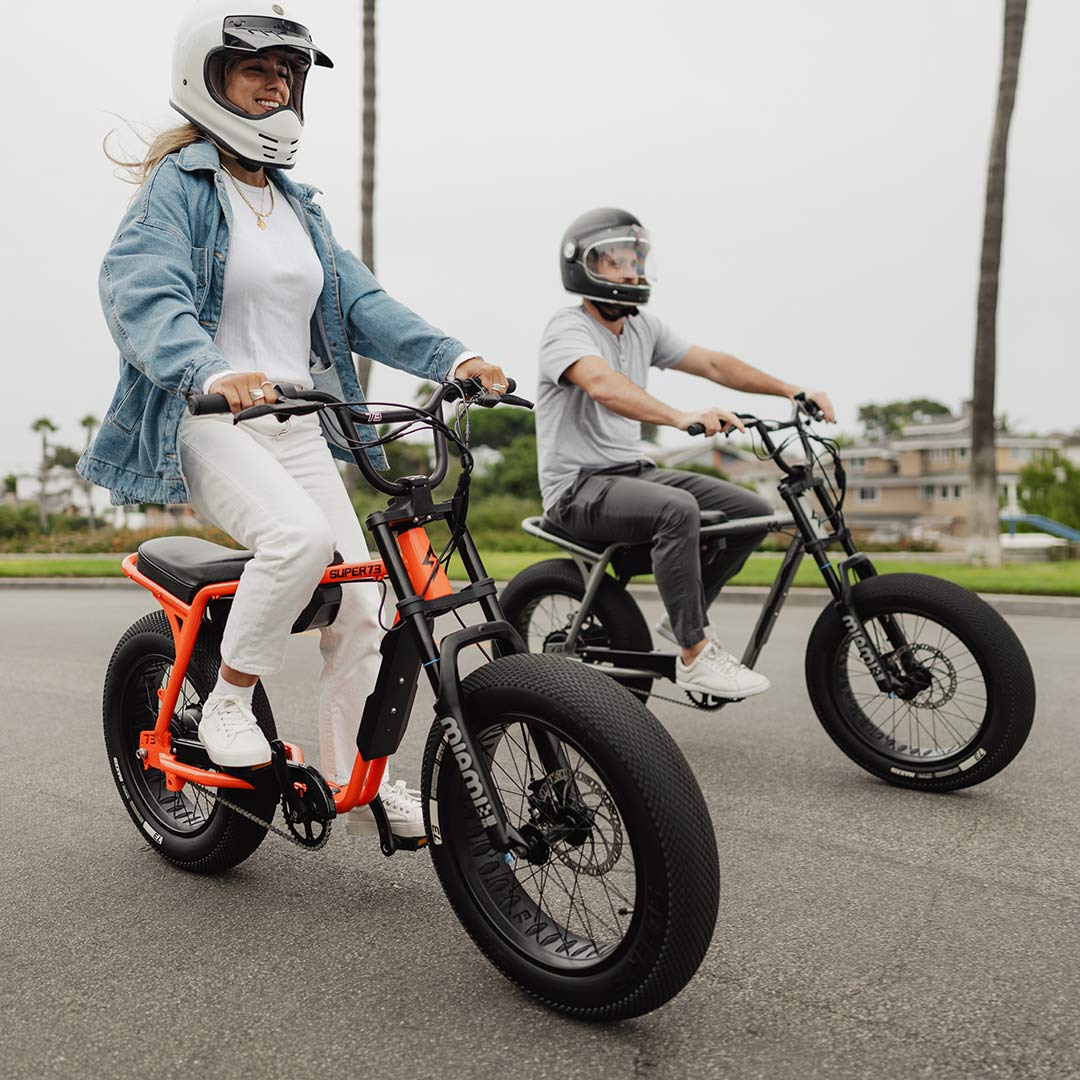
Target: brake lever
489, 401
252, 413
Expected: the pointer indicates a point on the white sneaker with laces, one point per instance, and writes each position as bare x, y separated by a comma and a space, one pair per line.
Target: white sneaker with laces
715, 671
231, 734
403, 810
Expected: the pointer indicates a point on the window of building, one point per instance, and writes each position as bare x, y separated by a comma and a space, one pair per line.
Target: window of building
962, 453
928, 491
944, 494
856, 464
941, 454
868, 495
1020, 453
957, 491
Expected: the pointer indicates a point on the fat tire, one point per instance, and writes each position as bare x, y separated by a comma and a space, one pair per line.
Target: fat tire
226, 839
660, 804
1006, 671
613, 606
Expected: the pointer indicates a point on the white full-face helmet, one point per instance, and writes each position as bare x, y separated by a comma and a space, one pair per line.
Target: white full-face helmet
215, 36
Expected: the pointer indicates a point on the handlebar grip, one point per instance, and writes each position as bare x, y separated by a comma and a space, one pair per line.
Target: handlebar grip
810, 407
205, 404
696, 429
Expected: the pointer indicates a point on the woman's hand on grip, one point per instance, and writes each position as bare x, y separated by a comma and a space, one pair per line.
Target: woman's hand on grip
238, 388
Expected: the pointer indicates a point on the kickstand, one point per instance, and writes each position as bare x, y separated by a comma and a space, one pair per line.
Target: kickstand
387, 840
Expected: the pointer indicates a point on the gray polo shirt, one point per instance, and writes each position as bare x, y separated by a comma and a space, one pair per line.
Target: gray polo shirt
573, 432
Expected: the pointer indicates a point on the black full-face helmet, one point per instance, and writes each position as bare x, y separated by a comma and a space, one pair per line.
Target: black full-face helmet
604, 256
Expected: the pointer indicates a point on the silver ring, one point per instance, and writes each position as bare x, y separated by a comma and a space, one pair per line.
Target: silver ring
266, 382
498, 386
257, 394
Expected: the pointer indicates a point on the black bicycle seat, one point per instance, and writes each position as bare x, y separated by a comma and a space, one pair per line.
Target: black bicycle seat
186, 564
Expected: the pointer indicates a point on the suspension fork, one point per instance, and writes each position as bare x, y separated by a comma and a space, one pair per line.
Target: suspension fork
416, 578
837, 579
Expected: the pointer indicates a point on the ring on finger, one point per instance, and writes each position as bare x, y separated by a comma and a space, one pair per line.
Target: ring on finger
257, 394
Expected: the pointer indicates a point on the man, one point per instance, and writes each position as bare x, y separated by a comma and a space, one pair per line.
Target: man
595, 480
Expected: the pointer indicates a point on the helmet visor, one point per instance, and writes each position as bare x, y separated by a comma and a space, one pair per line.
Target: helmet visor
620, 260
273, 64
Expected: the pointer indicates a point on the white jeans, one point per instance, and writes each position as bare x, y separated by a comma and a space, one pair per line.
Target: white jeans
275, 489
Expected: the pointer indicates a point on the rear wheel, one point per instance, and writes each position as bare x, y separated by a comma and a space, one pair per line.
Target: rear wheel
615, 914
188, 827
969, 706
543, 600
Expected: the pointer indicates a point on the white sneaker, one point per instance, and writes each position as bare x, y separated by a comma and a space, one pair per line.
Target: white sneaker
231, 735
403, 809
715, 671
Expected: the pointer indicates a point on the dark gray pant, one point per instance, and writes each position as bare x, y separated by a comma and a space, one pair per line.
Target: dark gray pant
641, 503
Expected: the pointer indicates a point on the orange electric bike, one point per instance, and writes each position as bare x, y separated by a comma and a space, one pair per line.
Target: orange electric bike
567, 830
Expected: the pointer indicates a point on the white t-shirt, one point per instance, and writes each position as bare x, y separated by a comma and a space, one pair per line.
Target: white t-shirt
273, 280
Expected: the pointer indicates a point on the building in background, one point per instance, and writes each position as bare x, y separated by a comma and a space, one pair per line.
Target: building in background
913, 486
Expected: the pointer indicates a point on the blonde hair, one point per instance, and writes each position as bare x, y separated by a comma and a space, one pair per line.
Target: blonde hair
164, 143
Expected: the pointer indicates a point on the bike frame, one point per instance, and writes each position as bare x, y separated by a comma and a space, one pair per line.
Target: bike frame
409, 563
798, 481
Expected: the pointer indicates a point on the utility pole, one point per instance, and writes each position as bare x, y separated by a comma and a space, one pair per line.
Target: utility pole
367, 166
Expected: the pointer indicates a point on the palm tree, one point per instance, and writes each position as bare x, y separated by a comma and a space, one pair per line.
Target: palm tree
46, 427
367, 169
90, 422
984, 544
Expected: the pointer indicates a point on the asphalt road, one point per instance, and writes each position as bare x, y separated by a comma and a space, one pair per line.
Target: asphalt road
863, 930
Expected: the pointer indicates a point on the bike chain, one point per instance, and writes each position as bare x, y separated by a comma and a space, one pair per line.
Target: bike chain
645, 695
284, 833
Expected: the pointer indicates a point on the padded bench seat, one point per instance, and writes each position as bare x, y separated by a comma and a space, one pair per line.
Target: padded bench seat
185, 564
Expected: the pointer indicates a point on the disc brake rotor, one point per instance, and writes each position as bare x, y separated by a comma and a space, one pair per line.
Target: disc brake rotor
601, 848
942, 673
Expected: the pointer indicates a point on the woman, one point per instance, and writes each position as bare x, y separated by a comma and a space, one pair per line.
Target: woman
225, 277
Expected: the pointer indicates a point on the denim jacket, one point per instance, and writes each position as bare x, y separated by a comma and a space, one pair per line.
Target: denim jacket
161, 288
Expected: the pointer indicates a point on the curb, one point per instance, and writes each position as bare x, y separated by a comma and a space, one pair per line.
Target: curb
1059, 607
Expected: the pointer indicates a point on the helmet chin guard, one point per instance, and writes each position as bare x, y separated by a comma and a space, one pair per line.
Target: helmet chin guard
216, 33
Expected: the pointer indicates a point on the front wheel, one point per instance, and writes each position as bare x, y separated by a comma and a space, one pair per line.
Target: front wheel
971, 696
615, 914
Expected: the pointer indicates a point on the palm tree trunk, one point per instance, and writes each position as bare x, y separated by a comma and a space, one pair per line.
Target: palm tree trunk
367, 168
43, 517
984, 544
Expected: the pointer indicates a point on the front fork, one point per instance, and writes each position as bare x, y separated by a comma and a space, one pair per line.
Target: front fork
838, 579
421, 582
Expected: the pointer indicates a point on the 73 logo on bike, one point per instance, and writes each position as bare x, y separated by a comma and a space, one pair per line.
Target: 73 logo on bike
359, 572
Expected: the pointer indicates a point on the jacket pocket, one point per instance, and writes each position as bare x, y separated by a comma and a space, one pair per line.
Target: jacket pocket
129, 410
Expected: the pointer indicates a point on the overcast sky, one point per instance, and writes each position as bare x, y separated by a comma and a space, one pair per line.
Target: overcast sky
812, 176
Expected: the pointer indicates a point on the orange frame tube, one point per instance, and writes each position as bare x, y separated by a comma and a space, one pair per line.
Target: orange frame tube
425, 573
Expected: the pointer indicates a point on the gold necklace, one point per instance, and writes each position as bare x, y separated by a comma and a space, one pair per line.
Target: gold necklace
260, 214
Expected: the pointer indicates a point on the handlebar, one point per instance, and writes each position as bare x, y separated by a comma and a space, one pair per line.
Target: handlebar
803, 404
295, 401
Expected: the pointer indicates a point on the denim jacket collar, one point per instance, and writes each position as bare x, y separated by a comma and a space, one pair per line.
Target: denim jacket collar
204, 156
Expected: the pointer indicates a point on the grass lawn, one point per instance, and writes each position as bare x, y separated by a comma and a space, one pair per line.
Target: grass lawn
1043, 578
